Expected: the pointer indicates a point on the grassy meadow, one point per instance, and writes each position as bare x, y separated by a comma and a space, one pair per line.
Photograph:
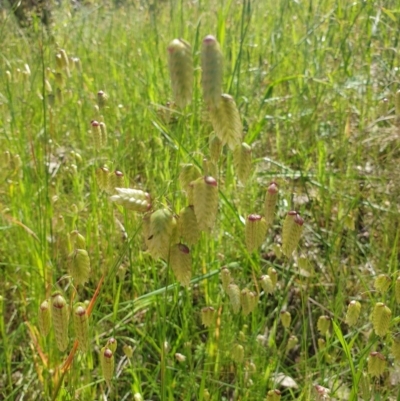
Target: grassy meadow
315, 83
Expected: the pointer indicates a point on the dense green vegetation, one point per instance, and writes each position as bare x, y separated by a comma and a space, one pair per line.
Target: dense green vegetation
315, 83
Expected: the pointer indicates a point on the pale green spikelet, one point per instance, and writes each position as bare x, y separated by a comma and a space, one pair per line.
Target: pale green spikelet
44, 318
180, 63
237, 353
267, 284
212, 71
321, 344
180, 260
205, 201
128, 350
132, 199
161, 228
188, 227
292, 343
248, 300
103, 177
64, 59
188, 174
77, 239
226, 278
397, 290
207, 316
81, 326
273, 395
227, 123
353, 313
79, 266
323, 324
273, 275
376, 364
291, 232
380, 318
382, 283
96, 135
210, 168
215, 146
102, 99
233, 292
255, 232
112, 344
60, 317
242, 161
286, 319
116, 180
271, 198
107, 364
103, 132
395, 347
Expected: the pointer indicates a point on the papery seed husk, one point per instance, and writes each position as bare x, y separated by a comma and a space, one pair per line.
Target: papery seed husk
188, 174
104, 137
44, 318
271, 198
96, 135
132, 199
181, 263
102, 178
64, 59
205, 201
112, 344
162, 225
60, 318
215, 146
77, 239
382, 283
81, 326
225, 278
292, 342
255, 232
188, 227
248, 300
381, 316
79, 266
227, 123
353, 313
180, 63
323, 324
242, 161
207, 316
107, 363
237, 353
233, 292
273, 275
267, 284
212, 71
376, 364
291, 232
286, 319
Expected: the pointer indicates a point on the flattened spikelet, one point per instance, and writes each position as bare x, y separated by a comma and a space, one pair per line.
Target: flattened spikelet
77, 239
207, 316
233, 292
102, 178
323, 324
79, 265
382, 282
238, 353
292, 342
212, 71
205, 201
267, 284
353, 313
181, 263
255, 232
44, 318
380, 318
107, 364
96, 135
180, 63
188, 227
242, 161
271, 198
286, 319
116, 180
60, 317
227, 123
274, 275
225, 278
132, 199
215, 146
161, 228
112, 344
291, 232
248, 300
103, 132
189, 173
376, 364
81, 326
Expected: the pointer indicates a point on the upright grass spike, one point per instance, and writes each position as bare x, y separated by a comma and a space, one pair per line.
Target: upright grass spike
353, 313
188, 226
271, 198
112, 344
181, 263
267, 284
60, 317
233, 292
102, 99
291, 232
237, 353
189, 173
180, 62
81, 326
207, 316
255, 232
323, 324
248, 300
79, 266
286, 318
215, 146
44, 318
212, 71
227, 123
376, 364
116, 180
205, 201
382, 283
132, 199
107, 363
103, 177
380, 317
242, 161
103, 132
97, 137
225, 278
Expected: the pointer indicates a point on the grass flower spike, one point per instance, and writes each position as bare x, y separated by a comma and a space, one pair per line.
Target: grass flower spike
267, 284
81, 326
273, 395
180, 62
233, 292
382, 283
181, 263
271, 198
60, 317
291, 232
255, 232
205, 201
215, 146
207, 316
107, 363
286, 319
248, 300
376, 364
79, 266
132, 199
323, 324
242, 161
226, 278
353, 312
44, 318
380, 318
188, 226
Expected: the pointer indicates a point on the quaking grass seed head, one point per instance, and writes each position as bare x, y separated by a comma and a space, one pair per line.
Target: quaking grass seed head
79, 264
207, 316
44, 318
60, 317
116, 180
237, 353
353, 313
267, 284
395, 347
255, 232
381, 317
382, 283
273, 395
112, 344
215, 146
96, 134
102, 99
103, 132
188, 226
271, 199
205, 201
272, 273
233, 292
103, 178
292, 343
291, 232
376, 364
81, 326
107, 364
226, 278
248, 300
242, 161
77, 239
181, 263
286, 319
323, 324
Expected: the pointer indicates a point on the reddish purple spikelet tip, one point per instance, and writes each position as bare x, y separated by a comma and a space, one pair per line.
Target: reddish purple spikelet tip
209, 40
184, 249
298, 220
80, 311
254, 217
210, 181
100, 93
108, 353
273, 188
95, 123
292, 213
112, 341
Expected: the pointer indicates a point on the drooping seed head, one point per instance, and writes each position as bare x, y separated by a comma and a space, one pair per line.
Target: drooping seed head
291, 232
255, 232
107, 363
242, 158
44, 318
233, 292
286, 319
81, 326
188, 226
376, 364
225, 278
248, 301
60, 317
323, 324
181, 263
381, 317
353, 312
207, 316
237, 353
267, 284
